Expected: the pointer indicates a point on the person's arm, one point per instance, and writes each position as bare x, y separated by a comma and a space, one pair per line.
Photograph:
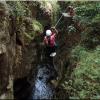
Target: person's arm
45, 40
54, 29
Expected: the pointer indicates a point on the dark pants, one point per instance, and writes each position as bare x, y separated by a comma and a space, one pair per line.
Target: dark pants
50, 50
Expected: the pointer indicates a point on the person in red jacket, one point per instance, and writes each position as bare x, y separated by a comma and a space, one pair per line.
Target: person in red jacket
50, 43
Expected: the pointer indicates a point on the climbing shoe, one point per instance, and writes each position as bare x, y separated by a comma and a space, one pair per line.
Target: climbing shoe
53, 54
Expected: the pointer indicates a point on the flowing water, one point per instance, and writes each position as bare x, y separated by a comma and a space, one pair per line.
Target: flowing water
42, 88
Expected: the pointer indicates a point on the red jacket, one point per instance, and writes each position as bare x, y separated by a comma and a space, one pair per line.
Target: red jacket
50, 40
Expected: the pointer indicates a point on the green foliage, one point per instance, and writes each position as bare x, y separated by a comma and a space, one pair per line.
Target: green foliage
23, 14
37, 26
71, 29
85, 82
88, 9
91, 37
55, 12
16, 7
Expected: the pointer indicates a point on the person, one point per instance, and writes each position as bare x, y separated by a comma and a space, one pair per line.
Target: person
47, 27
71, 11
49, 41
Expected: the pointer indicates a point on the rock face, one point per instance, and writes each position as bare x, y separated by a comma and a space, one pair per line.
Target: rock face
7, 52
17, 58
11, 54
65, 43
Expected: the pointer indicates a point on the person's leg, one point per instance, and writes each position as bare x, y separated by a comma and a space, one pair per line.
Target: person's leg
54, 49
47, 51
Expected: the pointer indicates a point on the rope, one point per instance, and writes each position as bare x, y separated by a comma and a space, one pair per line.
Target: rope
60, 18
58, 21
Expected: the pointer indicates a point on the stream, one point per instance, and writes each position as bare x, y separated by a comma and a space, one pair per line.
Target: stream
42, 88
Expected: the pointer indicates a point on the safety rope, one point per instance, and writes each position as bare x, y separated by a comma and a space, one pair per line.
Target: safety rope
60, 18
58, 21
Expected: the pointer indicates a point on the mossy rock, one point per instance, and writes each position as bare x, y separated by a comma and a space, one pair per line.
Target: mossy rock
4, 11
37, 26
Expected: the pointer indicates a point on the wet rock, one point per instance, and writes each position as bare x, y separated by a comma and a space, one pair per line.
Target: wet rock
22, 88
7, 54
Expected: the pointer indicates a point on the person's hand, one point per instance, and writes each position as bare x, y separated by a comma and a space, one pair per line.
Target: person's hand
53, 27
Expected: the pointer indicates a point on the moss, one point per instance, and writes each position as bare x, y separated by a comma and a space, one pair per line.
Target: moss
55, 13
30, 35
37, 26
